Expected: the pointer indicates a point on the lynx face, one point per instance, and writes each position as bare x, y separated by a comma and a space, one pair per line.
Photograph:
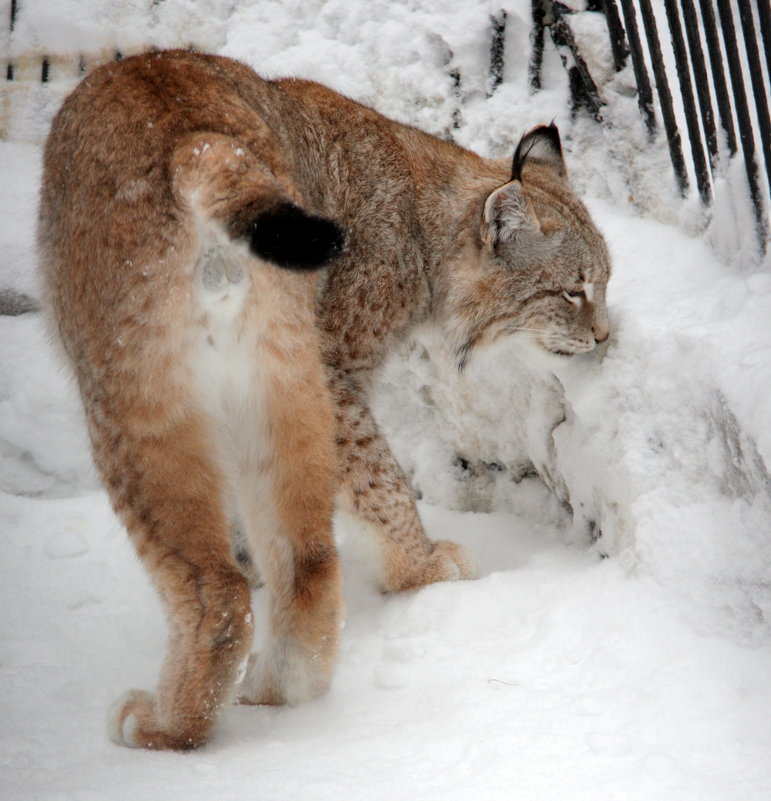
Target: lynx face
541, 268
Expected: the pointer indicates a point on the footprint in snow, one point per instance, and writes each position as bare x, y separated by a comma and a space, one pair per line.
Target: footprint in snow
66, 544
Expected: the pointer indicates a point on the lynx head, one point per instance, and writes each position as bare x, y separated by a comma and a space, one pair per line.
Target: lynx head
540, 267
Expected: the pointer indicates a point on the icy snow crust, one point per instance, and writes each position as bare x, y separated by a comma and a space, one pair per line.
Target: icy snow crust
559, 674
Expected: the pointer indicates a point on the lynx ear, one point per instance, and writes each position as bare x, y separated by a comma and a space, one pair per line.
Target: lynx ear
543, 144
507, 212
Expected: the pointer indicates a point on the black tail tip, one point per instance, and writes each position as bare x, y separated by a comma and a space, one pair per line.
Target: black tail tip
289, 237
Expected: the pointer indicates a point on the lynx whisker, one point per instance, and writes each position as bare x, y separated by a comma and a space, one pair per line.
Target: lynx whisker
513, 328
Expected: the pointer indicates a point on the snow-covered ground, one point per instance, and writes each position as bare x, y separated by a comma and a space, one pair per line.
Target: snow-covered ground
559, 674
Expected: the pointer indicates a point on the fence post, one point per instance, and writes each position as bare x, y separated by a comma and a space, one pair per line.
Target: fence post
689, 104
756, 78
618, 45
665, 97
701, 80
536, 45
644, 91
582, 86
764, 19
496, 52
718, 73
743, 115
9, 71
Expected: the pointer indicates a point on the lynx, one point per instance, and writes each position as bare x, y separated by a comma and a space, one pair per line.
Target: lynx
227, 261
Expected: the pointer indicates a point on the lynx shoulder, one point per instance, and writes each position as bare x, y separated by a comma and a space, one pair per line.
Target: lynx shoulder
228, 260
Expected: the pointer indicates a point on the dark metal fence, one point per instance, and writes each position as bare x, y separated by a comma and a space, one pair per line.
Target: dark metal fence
732, 60
718, 66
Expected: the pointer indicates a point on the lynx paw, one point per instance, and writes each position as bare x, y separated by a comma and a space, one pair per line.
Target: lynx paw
258, 686
133, 722
289, 676
447, 561
450, 562
249, 687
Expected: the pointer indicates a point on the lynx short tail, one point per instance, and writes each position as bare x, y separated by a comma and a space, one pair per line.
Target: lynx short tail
220, 180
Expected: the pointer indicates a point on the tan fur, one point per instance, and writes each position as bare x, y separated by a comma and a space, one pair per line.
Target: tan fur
199, 419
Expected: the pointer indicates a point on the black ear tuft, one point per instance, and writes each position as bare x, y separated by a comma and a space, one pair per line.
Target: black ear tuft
543, 143
289, 237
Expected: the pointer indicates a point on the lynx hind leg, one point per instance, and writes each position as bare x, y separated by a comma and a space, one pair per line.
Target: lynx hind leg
377, 493
169, 495
294, 543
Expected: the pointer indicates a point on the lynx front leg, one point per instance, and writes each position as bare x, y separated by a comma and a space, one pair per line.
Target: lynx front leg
375, 489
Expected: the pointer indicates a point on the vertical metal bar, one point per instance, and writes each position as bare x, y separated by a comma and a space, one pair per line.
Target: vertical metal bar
9, 76
718, 73
618, 45
743, 115
700, 79
689, 104
497, 44
764, 18
756, 77
583, 89
457, 117
536, 45
644, 91
45, 70
665, 97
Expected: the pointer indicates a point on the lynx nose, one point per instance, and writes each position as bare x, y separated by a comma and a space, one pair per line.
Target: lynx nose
600, 335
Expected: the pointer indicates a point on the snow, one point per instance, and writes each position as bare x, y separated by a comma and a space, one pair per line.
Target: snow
619, 651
